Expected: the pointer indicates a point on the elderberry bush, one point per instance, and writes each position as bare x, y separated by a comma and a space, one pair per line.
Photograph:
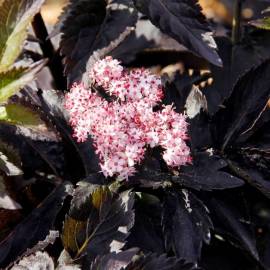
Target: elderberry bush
139, 141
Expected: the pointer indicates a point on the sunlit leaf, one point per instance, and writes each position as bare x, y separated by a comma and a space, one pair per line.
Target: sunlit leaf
39, 260
195, 102
10, 161
183, 21
114, 261
15, 17
99, 225
88, 26
19, 115
65, 262
262, 23
14, 79
6, 201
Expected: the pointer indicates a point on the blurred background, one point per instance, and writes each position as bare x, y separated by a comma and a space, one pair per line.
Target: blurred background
218, 9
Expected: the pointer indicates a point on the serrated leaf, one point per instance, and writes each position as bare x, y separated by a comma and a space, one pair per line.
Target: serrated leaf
36, 226
145, 36
101, 53
263, 23
232, 221
69, 267
184, 21
200, 134
65, 262
10, 161
114, 261
177, 89
207, 173
100, 225
39, 260
253, 177
181, 92
237, 61
6, 202
86, 161
15, 18
146, 233
160, 262
186, 225
13, 80
91, 25
237, 118
19, 115
40, 246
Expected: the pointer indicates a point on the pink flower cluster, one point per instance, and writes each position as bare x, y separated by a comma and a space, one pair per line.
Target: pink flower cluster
123, 128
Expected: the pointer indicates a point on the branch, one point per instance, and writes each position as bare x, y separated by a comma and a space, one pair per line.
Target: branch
55, 62
237, 17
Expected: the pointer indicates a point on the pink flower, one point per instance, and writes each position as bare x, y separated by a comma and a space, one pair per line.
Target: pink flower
124, 128
106, 70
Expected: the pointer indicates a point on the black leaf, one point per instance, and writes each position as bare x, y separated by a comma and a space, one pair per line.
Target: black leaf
200, 132
207, 173
182, 20
186, 224
253, 176
114, 261
147, 231
232, 221
237, 61
162, 262
92, 226
91, 25
80, 157
35, 227
245, 106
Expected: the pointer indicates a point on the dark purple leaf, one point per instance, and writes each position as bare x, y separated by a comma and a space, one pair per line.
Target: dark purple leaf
237, 61
97, 224
91, 25
233, 222
207, 173
245, 106
186, 224
183, 21
35, 227
114, 261
146, 233
162, 262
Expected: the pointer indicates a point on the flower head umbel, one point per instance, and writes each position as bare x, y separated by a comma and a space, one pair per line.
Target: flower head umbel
123, 128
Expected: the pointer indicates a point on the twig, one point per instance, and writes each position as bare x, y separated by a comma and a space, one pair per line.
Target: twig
55, 63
